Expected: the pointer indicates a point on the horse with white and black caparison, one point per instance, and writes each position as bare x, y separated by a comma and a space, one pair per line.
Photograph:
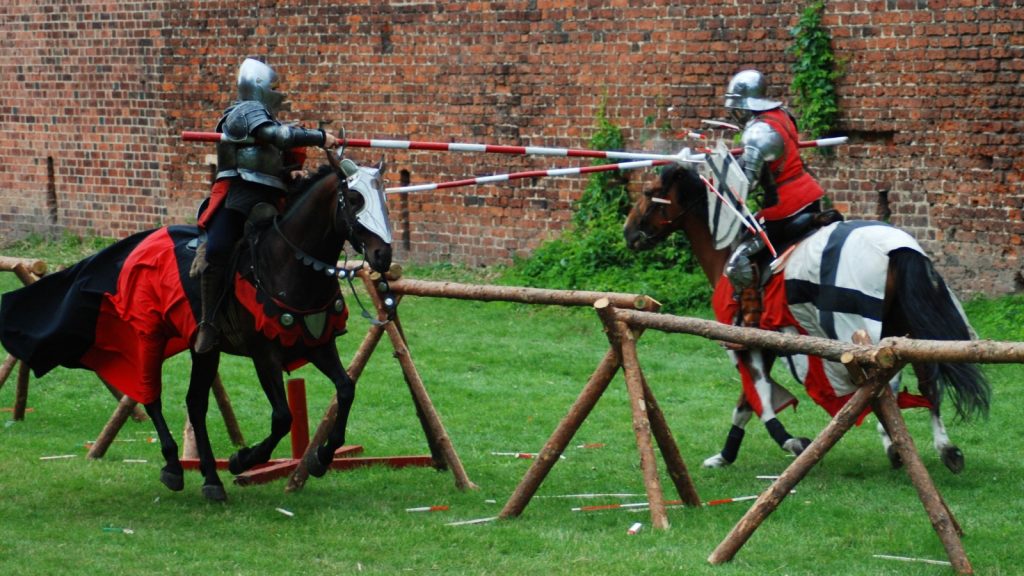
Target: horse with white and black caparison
124, 310
834, 281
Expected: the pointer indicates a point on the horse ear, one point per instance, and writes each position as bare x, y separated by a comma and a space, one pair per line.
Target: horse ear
381, 165
349, 168
332, 159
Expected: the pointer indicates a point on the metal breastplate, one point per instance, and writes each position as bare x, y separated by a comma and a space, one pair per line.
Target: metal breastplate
259, 162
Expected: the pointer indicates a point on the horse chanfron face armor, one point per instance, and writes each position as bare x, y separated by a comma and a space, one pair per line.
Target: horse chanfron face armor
258, 82
368, 183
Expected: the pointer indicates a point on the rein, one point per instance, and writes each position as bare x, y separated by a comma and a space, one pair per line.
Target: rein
331, 271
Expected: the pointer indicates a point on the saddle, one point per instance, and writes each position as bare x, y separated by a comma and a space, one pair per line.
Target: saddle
260, 216
795, 231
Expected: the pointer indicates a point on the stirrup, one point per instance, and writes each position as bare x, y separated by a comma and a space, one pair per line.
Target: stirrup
207, 338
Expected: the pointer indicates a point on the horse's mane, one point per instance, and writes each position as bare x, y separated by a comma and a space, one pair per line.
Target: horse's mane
301, 187
690, 189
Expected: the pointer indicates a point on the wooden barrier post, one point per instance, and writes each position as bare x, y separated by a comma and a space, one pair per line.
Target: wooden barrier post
622, 341
28, 271
942, 519
6, 368
355, 368
443, 454
113, 426
870, 368
770, 499
562, 435
220, 394
300, 417
647, 420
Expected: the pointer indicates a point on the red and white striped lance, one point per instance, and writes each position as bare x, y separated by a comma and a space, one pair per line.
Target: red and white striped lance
682, 156
485, 148
527, 174
634, 505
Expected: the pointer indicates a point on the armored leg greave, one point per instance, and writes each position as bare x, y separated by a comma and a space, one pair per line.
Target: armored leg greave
743, 274
211, 289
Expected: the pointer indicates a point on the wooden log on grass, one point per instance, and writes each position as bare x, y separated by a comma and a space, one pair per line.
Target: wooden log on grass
942, 519
870, 385
562, 435
33, 265
113, 426
21, 393
622, 340
519, 294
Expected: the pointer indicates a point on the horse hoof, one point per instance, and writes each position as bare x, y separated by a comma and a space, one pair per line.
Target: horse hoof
953, 458
174, 482
895, 460
235, 465
716, 461
214, 493
796, 446
313, 465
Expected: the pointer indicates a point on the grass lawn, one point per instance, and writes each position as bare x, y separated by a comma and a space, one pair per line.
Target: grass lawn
502, 376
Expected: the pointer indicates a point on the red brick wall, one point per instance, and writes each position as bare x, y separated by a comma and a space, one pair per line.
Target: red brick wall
932, 100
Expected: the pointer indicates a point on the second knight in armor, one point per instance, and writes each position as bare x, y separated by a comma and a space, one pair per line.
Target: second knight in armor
257, 159
771, 159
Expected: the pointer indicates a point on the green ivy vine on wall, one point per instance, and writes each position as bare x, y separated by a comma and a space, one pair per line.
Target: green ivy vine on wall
815, 71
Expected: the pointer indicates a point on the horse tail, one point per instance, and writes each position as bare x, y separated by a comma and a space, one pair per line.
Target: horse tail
931, 313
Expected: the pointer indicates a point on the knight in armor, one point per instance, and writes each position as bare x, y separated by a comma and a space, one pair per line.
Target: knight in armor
257, 159
771, 160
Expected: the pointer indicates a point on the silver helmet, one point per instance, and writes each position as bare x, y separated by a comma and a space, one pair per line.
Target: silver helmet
257, 81
746, 91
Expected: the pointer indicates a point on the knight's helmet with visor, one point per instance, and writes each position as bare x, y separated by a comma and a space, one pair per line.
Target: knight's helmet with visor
258, 81
745, 95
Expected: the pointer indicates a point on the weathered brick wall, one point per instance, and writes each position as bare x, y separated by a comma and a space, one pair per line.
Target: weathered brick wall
82, 117
931, 99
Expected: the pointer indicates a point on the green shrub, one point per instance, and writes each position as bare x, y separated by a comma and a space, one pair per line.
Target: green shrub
592, 254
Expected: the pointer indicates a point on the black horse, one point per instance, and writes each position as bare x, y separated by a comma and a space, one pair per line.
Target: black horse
848, 276
123, 311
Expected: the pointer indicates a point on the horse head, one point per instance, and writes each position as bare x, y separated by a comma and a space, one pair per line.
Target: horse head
661, 209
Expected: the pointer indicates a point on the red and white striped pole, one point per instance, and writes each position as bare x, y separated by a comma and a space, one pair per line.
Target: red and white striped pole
519, 150
485, 148
527, 174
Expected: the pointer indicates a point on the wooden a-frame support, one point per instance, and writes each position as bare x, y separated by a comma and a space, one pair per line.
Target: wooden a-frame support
28, 271
648, 420
442, 452
874, 391
871, 368
443, 455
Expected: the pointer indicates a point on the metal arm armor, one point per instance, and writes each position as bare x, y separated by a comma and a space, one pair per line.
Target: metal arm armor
761, 143
284, 137
243, 119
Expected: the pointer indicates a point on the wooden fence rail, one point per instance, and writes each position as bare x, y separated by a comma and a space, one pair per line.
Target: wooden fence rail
626, 316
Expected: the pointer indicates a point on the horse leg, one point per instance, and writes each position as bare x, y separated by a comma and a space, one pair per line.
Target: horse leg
949, 453
151, 348
759, 368
327, 361
197, 400
740, 416
172, 474
268, 366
